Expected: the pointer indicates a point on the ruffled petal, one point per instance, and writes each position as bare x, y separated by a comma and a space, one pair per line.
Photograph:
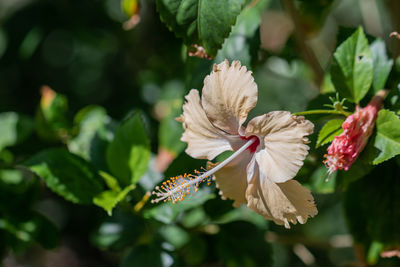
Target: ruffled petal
284, 148
229, 93
203, 139
282, 203
231, 179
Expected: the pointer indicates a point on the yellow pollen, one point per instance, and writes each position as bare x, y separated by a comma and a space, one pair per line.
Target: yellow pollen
177, 188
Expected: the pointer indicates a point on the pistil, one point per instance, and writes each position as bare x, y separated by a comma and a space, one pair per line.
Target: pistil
177, 188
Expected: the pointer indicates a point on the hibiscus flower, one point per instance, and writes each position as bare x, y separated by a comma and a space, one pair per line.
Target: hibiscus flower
269, 151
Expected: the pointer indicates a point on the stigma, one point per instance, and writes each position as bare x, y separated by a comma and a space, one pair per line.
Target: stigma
177, 188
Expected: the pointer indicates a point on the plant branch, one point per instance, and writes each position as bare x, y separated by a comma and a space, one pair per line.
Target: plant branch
322, 111
394, 9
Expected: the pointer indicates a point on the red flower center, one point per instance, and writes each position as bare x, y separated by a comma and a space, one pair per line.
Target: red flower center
253, 147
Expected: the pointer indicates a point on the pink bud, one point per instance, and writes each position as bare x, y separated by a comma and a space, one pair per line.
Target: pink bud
358, 127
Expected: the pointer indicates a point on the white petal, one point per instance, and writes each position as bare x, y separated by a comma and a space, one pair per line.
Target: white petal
229, 93
283, 203
203, 139
231, 179
284, 148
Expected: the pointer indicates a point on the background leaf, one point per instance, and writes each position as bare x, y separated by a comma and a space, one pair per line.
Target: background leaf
321, 183
246, 247
371, 207
151, 255
118, 231
128, 154
51, 117
388, 135
21, 231
352, 68
168, 212
168, 109
96, 130
67, 175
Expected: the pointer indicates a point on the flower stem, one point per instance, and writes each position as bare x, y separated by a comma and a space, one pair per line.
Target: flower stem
322, 111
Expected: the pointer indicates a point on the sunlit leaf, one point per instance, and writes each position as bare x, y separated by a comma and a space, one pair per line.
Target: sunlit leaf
128, 154
110, 198
388, 135
14, 128
352, 68
328, 132
67, 175
203, 22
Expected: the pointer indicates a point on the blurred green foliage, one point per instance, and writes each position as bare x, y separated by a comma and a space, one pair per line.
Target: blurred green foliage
89, 96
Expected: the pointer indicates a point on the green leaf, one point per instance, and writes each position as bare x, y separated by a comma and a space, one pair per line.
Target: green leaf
110, 198
128, 154
110, 181
382, 65
67, 175
328, 132
95, 133
14, 128
202, 22
352, 68
388, 136
245, 35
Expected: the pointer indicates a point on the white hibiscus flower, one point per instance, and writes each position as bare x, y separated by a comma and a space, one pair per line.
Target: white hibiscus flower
269, 151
